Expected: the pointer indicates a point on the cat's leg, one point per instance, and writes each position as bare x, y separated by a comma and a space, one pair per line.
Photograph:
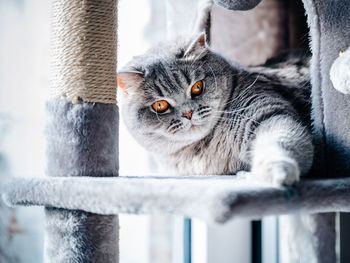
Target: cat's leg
281, 151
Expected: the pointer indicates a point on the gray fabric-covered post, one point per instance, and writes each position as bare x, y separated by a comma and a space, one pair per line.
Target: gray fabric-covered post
329, 25
82, 125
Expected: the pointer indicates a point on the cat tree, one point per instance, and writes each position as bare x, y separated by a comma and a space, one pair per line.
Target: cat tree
82, 125
82, 145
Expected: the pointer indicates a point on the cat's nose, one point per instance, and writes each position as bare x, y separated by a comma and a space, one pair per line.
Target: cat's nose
188, 115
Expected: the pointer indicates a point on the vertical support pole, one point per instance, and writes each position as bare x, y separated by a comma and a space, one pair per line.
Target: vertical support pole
82, 124
330, 108
256, 241
187, 240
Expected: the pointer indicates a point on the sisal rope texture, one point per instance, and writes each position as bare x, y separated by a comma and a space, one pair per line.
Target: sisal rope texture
84, 38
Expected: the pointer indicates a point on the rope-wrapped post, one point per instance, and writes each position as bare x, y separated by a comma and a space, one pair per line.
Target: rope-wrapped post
82, 124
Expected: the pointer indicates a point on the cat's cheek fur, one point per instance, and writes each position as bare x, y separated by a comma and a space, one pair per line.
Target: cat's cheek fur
189, 133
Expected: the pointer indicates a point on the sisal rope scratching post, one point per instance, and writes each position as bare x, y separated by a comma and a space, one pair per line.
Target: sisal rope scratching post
84, 51
82, 125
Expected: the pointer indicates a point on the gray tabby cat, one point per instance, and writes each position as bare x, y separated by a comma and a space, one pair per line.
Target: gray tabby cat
202, 114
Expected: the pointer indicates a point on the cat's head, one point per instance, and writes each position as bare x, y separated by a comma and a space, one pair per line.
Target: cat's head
172, 94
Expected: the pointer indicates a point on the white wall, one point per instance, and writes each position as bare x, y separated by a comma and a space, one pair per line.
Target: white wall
24, 41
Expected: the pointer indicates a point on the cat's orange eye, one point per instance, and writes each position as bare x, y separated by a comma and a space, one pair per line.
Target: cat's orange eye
160, 106
197, 88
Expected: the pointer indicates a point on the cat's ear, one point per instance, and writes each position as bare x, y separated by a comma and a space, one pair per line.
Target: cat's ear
129, 80
197, 46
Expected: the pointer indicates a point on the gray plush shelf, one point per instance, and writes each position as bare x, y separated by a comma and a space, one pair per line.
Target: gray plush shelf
215, 199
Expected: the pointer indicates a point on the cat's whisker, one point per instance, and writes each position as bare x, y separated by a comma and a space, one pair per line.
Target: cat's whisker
236, 110
200, 66
158, 118
175, 126
197, 57
241, 116
172, 127
205, 115
247, 89
245, 92
212, 71
176, 129
253, 83
204, 111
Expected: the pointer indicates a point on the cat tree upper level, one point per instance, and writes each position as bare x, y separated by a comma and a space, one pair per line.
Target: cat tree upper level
215, 199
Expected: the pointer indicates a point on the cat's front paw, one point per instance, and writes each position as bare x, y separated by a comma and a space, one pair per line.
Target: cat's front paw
284, 171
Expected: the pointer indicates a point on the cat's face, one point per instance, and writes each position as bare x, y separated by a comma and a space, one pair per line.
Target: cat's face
172, 99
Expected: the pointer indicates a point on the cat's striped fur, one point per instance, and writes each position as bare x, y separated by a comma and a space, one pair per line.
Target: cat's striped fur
254, 119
